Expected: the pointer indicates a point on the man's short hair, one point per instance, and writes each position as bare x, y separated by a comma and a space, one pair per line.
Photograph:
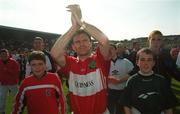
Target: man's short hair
37, 55
4, 50
119, 45
38, 38
146, 51
81, 31
155, 32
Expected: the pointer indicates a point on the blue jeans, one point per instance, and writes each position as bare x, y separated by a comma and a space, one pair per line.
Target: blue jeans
4, 89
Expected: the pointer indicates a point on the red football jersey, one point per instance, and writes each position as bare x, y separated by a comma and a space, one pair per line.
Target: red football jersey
41, 96
87, 83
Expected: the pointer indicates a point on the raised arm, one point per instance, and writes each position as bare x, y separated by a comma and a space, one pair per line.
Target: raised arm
92, 30
58, 49
100, 37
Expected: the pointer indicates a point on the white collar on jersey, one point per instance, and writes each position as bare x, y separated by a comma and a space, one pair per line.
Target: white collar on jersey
148, 74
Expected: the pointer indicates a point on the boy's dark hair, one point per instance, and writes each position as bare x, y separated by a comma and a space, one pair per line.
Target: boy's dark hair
81, 31
4, 50
145, 50
37, 55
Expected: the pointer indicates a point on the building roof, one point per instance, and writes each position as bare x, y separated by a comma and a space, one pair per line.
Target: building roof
7, 32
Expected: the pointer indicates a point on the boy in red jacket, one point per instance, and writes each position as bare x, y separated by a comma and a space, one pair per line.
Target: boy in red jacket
41, 92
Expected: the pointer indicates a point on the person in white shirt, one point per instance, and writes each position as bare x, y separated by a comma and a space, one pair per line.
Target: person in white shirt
118, 75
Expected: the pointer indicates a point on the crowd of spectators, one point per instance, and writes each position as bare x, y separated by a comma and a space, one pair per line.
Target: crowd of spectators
12, 44
19, 50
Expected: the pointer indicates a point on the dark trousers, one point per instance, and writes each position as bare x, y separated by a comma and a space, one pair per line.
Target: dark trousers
114, 101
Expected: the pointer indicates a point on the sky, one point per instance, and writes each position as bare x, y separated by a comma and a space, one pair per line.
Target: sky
118, 19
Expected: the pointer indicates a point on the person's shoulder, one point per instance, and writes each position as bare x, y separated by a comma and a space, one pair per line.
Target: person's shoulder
134, 76
132, 79
160, 78
29, 77
27, 80
71, 59
127, 60
97, 53
12, 60
165, 55
123, 61
165, 52
52, 76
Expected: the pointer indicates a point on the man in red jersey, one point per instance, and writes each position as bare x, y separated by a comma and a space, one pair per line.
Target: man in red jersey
87, 74
41, 92
9, 75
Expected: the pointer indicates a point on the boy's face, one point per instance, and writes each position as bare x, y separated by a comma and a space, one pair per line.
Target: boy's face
38, 67
145, 62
